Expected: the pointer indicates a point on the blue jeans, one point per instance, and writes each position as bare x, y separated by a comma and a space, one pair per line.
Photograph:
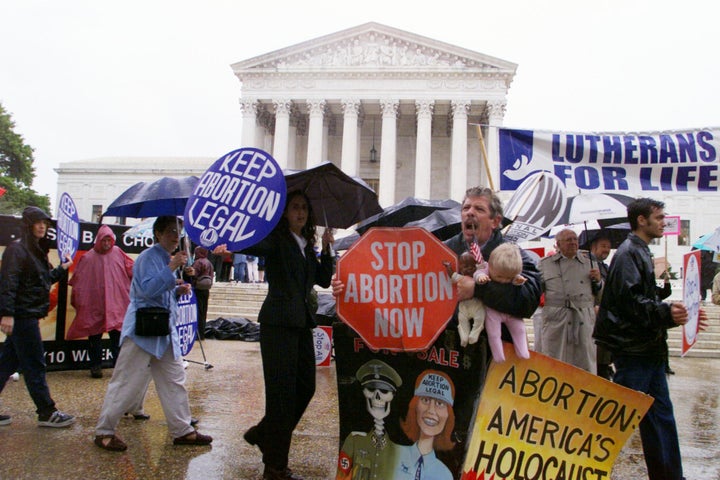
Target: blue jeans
239, 272
657, 429
23, 351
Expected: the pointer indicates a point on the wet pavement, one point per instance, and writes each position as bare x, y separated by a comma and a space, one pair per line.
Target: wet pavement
228, 399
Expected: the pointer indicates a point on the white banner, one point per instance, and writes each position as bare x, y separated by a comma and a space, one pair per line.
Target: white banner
640, 163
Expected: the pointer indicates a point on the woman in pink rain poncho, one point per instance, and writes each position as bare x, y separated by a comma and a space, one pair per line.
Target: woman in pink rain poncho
100, 295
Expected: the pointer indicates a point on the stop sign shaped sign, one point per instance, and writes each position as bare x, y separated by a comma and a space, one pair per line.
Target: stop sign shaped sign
398, 295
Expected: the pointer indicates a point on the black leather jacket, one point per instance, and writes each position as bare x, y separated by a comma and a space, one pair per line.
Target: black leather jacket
25, 279
518, 301
632, 319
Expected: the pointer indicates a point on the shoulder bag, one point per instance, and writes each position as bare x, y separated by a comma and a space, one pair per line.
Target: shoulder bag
152, 322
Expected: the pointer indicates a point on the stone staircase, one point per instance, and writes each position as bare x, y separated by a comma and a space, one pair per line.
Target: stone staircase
230, 300
236, 300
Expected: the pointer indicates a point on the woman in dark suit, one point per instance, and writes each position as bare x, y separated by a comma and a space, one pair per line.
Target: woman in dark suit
287, 319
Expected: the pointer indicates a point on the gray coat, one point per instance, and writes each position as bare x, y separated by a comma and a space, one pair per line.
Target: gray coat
569, 313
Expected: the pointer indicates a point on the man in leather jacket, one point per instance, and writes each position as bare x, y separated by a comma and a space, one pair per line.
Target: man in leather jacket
632, 323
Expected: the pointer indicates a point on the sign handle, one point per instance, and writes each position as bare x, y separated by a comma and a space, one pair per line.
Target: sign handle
485, 157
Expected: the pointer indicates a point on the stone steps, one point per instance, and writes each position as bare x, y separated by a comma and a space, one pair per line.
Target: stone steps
230, 300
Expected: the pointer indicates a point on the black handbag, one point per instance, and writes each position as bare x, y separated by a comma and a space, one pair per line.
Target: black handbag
152, 322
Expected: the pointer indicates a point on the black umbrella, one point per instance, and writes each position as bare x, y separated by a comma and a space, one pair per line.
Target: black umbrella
346, 242
338, 200
443, 224
615, 233
408, 210
164, 196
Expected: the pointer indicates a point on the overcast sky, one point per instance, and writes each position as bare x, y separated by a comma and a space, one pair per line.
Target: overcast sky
85, 79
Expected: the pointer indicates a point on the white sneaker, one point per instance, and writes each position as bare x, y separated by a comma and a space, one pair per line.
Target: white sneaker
185, 364
15, 376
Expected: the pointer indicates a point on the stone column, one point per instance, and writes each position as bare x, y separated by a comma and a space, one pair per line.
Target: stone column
496, 115
458, 161
349, 162
388, 152
281, 141
423, 163
316, 109
292, 137
249, 109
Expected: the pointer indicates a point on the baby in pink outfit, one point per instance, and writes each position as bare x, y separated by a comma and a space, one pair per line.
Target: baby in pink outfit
504, 266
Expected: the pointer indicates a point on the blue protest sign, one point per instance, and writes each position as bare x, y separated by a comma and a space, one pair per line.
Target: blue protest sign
186, 324
68, 227
238, 200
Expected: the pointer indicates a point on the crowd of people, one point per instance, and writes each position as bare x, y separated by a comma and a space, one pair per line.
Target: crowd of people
610, 320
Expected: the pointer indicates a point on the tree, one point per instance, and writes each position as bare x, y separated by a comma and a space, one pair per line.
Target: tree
16, 170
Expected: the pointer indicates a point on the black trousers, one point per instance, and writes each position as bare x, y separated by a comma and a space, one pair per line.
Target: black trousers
95, 348
202, 297
288, 358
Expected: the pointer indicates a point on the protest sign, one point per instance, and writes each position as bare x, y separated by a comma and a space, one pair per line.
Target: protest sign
542, 418
398, 294
692, 264
238, 200
322, 342
672, 225
68, 227
186, 324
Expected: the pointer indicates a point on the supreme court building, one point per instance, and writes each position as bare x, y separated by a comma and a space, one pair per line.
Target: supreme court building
399, 110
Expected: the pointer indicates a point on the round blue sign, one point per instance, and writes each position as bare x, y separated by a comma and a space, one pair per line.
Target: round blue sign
68, 227
186, 324
238, 200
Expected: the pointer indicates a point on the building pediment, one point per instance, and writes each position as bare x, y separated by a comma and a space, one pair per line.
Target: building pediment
377, 48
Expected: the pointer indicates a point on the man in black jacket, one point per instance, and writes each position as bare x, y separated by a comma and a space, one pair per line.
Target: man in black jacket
25, 280
632, 323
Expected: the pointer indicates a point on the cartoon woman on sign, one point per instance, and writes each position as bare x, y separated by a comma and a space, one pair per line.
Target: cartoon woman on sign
429, 423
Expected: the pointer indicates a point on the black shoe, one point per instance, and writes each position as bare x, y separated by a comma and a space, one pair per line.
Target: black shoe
271, 473
252, 436
194, 421
5, 420
669, 371
96, 372
141, 416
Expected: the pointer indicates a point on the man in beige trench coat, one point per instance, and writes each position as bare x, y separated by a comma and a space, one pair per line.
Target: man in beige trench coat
571, 285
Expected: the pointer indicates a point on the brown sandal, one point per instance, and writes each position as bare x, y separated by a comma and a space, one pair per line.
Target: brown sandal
113, 443
193, 438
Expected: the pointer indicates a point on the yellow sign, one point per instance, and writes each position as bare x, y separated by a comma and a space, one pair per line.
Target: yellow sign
542, 419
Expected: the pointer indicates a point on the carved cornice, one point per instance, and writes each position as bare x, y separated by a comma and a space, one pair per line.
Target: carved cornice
370, 46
